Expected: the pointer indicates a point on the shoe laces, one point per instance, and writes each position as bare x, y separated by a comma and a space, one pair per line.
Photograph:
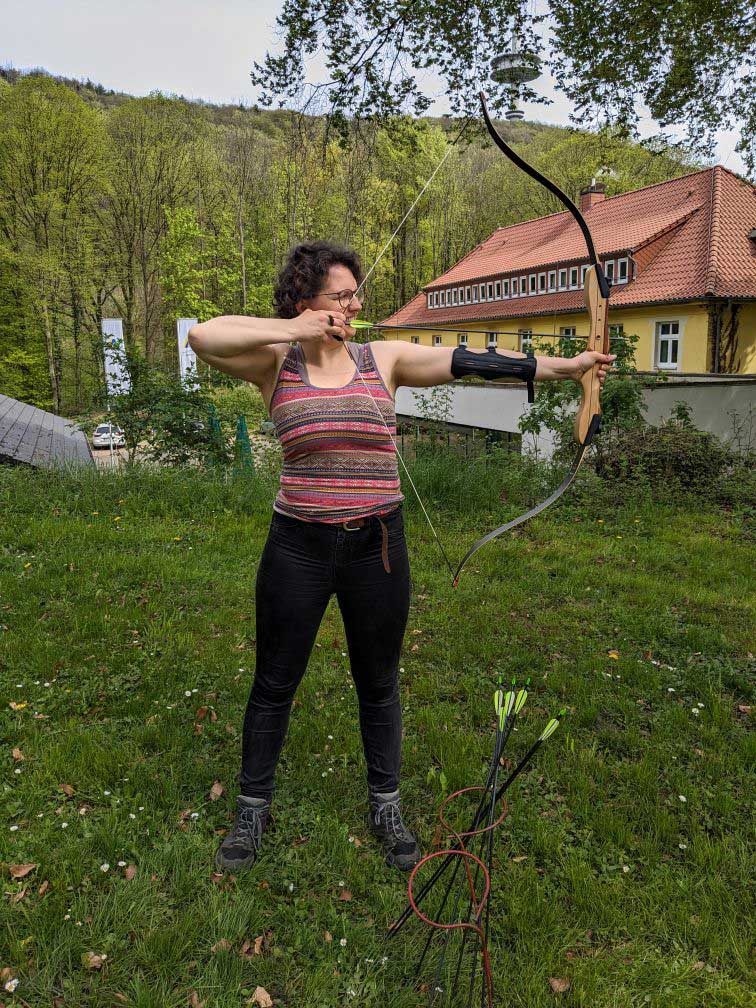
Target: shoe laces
249, 825
392, 816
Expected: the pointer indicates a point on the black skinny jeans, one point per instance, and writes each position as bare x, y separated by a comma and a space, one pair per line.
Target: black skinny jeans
302, 565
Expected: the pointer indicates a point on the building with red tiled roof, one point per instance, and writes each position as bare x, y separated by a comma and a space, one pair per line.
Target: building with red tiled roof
681, 256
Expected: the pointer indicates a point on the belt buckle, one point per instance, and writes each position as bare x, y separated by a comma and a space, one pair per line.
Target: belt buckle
347, 528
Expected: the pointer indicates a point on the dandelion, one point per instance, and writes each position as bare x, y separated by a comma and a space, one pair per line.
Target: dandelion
121, 864
105, 867
695, 710
66, 916
131, 815
343, 942
11, 985
187, 692
699, 705
683, 846
194, 815
682, 798
625, 868
63, 825
17, 771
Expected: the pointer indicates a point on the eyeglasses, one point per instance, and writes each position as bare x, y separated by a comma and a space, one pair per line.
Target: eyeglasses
344, 297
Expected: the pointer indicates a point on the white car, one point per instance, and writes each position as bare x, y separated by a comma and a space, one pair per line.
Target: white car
106, 434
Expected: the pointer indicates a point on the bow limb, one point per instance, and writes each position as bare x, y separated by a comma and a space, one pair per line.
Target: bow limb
588, 419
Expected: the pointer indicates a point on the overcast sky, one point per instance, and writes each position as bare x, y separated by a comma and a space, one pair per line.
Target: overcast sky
196, 49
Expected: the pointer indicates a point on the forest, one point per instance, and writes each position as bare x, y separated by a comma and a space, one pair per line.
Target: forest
154, 208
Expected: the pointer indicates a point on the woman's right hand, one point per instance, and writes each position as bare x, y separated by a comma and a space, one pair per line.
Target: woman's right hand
315, 326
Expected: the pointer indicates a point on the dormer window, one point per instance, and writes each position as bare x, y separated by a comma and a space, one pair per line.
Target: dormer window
573, 278
532, 283
505, 288
622, 270
523, 286
490, 292
552, 280
497, 290
541, 283
467, 295
609, 270
562, 279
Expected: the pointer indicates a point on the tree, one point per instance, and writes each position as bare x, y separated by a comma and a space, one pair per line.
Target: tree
690, 62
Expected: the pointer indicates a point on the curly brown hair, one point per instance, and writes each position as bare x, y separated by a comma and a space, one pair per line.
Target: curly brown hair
305, 271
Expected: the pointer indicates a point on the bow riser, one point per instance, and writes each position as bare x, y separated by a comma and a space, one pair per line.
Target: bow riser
588, 419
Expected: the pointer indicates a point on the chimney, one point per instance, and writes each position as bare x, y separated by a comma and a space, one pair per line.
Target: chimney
591, 195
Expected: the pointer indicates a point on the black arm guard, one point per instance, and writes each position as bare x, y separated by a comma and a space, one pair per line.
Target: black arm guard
492, 365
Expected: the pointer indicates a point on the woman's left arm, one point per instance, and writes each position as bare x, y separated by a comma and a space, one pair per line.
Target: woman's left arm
418, 366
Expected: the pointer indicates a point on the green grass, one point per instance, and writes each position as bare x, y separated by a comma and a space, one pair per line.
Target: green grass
121, 593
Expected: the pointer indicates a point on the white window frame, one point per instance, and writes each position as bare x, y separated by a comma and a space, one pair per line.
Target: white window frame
474, 293
574, 274
532, 284
492, 340
443, 299
462, 340
437, 340
659, 336
414, 339
623, 267
525, 340
583, 270
490, 288
497, 290
541, 283
505, 288
609, 271
482, 294
552, 280
523, 286
461, 294
563, 275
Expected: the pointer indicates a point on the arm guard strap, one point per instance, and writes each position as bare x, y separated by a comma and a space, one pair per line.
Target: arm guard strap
492, 365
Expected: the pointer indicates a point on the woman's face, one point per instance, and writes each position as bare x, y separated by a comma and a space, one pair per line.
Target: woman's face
337, 294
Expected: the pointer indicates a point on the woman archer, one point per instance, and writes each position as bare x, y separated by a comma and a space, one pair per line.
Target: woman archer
337, 524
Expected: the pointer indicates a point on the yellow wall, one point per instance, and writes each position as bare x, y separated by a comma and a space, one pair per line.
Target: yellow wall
692, 318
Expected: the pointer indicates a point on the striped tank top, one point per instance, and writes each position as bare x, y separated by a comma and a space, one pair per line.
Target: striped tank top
338, 460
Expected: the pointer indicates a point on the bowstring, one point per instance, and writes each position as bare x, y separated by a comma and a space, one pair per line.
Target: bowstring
464, 127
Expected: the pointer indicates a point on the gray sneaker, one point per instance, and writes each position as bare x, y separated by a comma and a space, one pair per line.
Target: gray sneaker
241, 844
385, 821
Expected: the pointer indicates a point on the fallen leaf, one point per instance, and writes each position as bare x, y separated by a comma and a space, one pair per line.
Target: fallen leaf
345, 895
224, 945
216, 791
201, 713
698, 965
129, 872
194, 1000
17, 755
259, 944
559, 985
615, 655
327, 936
520, 857
6, 973
244, 951
121, 998
742, 709
45, 887
261, 998
66, 789
17, 897
92, 961
21, 870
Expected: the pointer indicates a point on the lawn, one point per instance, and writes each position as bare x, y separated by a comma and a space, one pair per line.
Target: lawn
621, 876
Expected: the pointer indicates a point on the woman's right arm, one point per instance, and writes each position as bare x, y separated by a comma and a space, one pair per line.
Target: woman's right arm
247, 347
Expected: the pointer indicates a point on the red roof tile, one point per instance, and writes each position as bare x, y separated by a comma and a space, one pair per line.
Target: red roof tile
690, 233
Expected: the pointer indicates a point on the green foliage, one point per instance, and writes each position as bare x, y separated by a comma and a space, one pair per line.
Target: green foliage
557, 402
671, 459
677, 59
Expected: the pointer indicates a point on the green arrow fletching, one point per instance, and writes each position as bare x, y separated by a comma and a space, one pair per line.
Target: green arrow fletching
549, 730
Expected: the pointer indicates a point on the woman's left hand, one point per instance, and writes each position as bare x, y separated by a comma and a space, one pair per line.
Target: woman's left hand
584, 361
